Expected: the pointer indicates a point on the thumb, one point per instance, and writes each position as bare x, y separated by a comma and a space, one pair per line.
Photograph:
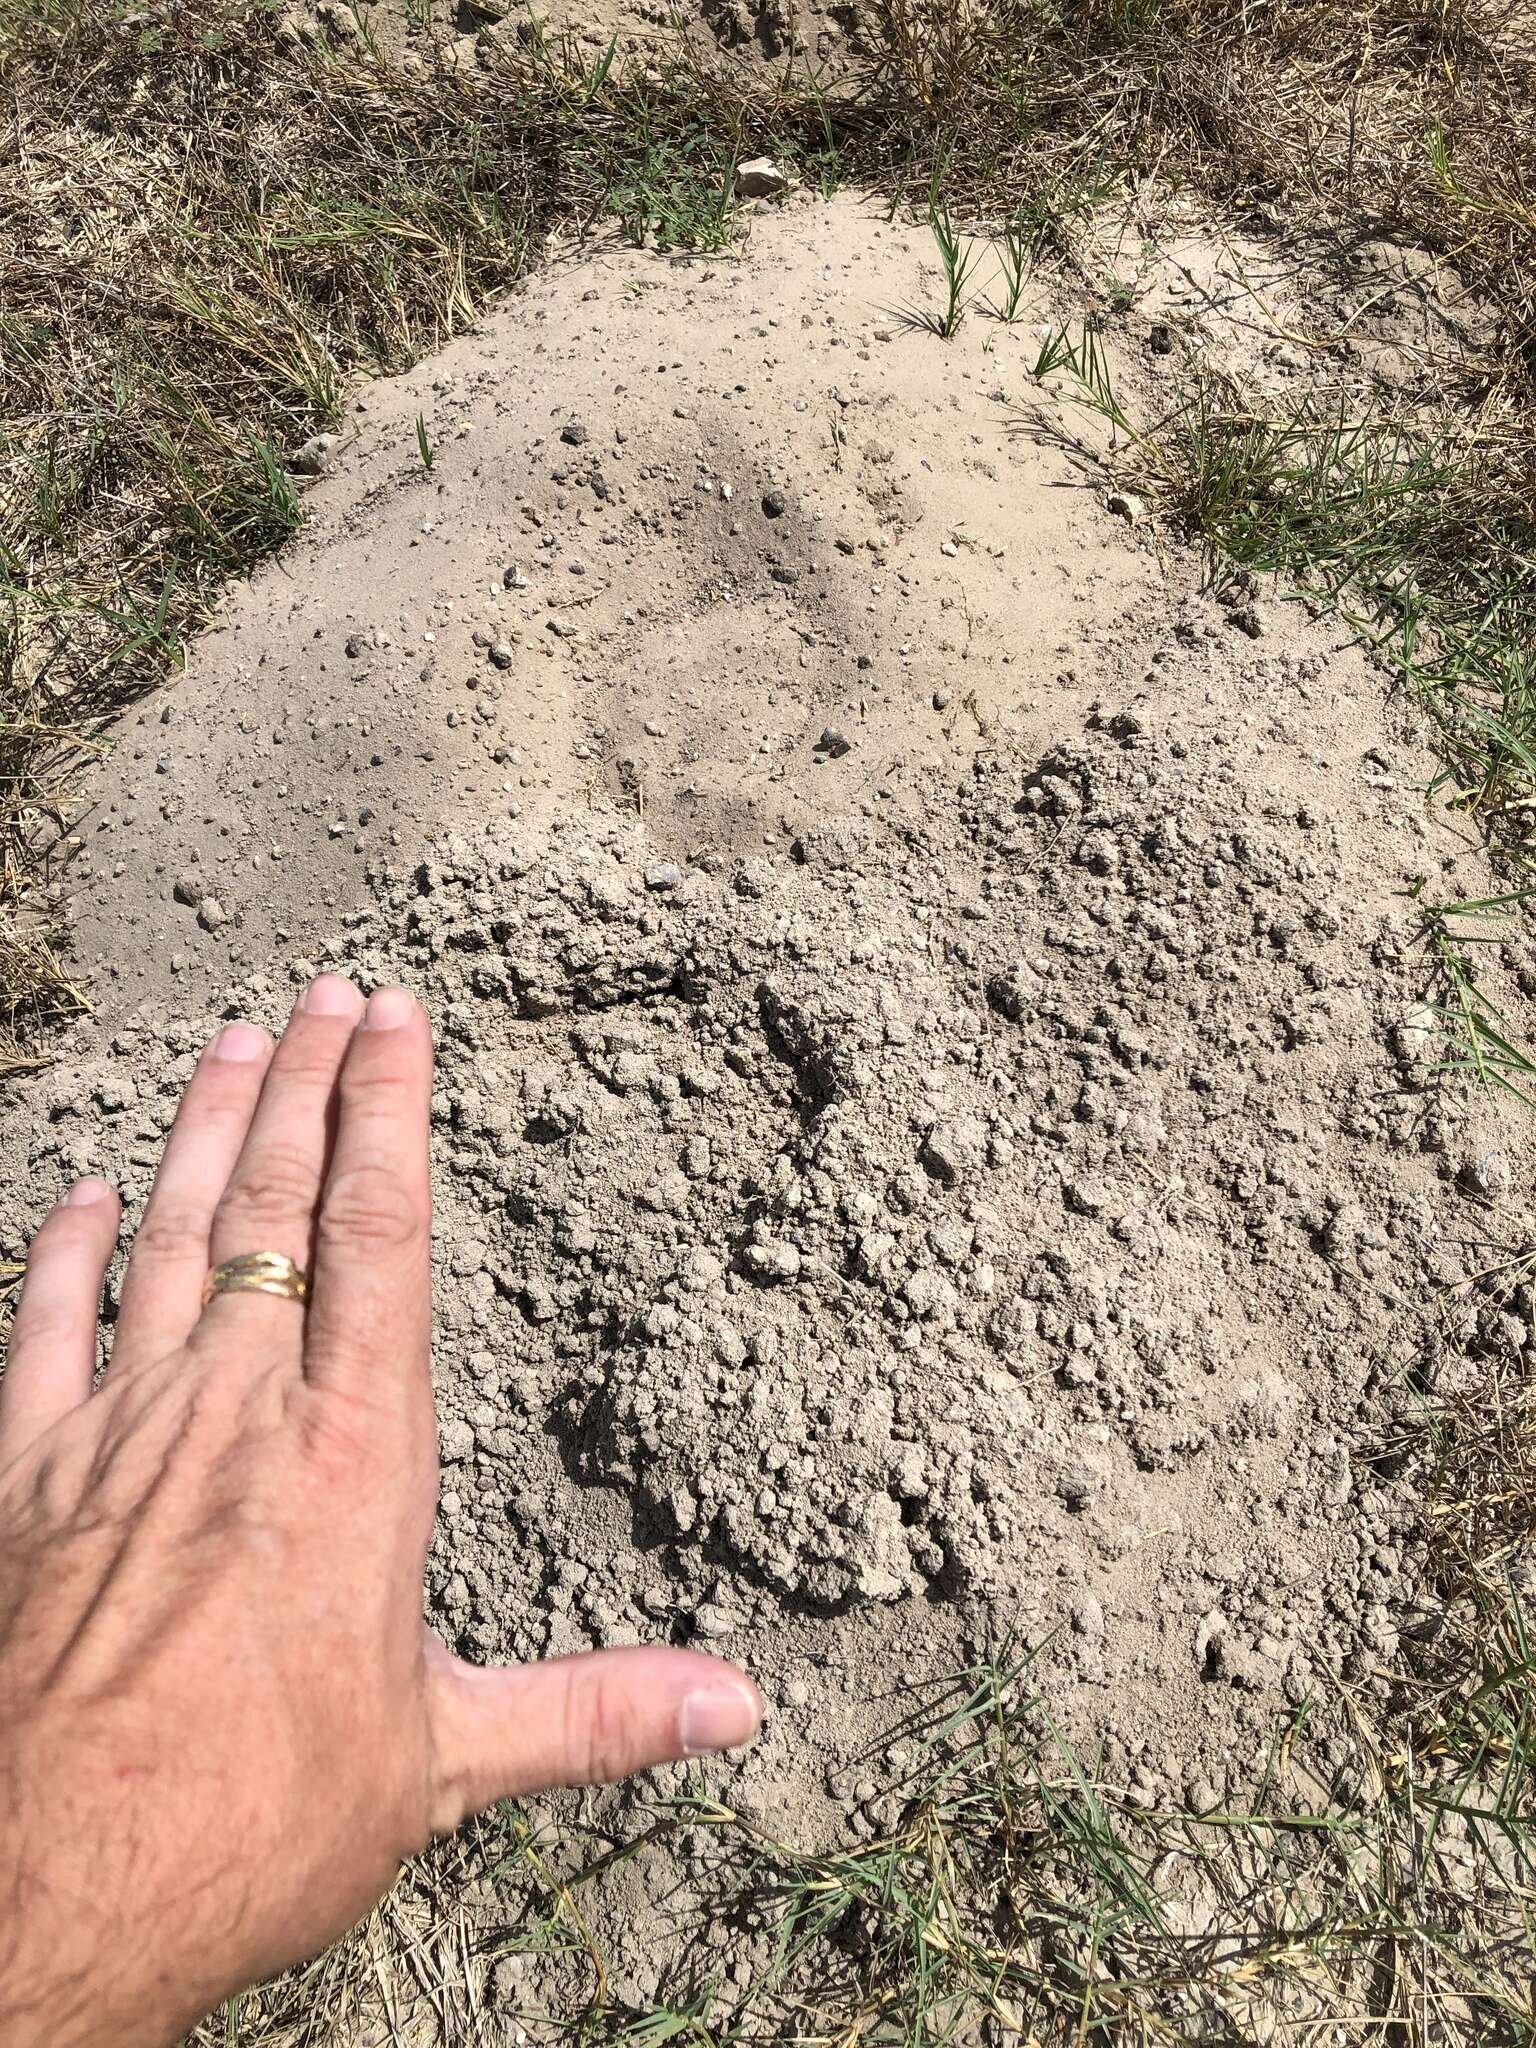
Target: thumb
498, 1733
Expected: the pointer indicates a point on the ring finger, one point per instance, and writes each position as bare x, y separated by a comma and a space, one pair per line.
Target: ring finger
163, 1286
269, 1204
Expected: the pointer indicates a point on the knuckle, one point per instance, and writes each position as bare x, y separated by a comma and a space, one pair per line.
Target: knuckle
353, 1434
373, 1086
211, 1406
274, 1186
220, 1092
62, 1231
367, 1206
338, 1434
599, 1727
171, 1233
308, 1059
46, 1328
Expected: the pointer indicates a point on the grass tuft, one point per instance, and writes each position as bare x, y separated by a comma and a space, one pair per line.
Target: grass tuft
1480, 1044
188, 306
1423, 537
1375, 1885
958, 258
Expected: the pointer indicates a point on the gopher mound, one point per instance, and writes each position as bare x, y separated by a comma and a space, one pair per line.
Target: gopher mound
937, 1130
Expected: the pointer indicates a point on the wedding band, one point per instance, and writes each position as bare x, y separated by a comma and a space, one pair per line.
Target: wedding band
257, 1273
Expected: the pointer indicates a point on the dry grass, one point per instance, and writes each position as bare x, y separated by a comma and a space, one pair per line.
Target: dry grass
1370, 1888
207, 232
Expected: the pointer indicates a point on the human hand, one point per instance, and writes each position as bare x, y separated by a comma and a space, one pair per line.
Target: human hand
223, 1721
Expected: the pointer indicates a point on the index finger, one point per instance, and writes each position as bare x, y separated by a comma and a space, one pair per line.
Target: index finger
370, 1294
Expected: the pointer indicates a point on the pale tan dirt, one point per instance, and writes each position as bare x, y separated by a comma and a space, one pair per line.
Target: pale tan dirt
831, 40
928, 1140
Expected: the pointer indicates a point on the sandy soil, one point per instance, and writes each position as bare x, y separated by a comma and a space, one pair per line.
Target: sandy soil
833, 36
935, 1130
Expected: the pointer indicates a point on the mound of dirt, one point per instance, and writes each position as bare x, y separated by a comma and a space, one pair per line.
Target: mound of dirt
835, 38
897, 1226
936, 1129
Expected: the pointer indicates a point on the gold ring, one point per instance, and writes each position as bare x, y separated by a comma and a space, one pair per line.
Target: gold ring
257, 1273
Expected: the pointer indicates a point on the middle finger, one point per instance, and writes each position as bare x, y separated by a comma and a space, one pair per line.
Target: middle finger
269, 1204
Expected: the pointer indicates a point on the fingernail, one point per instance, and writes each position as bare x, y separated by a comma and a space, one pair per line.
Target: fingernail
239, 1042
388, 1008
89, 1190
330, 995
719, 1717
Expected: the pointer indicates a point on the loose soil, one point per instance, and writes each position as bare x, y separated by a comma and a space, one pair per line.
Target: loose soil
834, 37
936, 1130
